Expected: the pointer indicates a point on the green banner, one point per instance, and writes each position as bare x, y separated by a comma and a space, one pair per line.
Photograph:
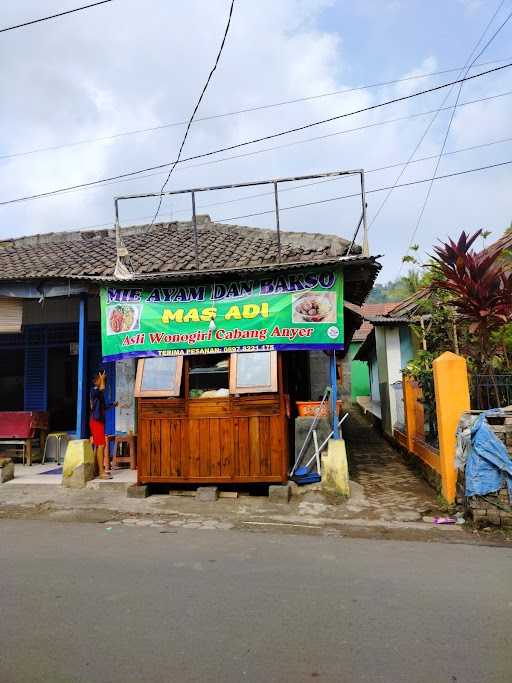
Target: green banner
282, 312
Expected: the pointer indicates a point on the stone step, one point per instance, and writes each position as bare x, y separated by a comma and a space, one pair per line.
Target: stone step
108, 485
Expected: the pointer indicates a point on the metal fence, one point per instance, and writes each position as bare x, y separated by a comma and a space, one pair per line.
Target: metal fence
430, 424
491, 391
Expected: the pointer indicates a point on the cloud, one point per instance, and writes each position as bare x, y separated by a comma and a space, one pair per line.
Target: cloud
471, 6
121, 67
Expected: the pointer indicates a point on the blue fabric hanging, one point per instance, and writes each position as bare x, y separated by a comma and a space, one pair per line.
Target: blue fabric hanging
488, 464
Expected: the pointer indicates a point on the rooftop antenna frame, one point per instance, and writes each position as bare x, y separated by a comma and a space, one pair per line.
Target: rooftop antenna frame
123, 269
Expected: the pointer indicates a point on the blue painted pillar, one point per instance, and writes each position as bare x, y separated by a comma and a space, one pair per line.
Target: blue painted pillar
81, 398
334, 394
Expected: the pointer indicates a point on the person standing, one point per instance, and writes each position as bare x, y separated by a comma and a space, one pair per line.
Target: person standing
97, 422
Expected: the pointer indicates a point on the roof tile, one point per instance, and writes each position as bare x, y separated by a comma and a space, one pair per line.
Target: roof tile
165, 247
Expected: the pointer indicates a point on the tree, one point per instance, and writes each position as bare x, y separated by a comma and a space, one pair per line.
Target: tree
397, 290
479, 288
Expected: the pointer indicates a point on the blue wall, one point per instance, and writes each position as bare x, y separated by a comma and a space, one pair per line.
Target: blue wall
406, 347
35, 340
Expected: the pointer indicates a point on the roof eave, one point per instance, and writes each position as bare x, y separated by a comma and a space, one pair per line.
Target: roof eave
363, 352
361, 273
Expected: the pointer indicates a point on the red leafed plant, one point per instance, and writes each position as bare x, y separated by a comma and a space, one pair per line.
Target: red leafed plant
479, 285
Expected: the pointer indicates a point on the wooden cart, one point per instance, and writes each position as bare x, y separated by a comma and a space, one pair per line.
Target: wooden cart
241, 437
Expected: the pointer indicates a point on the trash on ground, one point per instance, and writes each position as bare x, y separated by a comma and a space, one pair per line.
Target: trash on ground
445, 520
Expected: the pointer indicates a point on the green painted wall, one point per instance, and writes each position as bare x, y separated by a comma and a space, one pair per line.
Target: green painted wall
359, 374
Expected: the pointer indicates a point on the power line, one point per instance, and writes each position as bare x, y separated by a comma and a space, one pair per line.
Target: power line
54, 16
163, 126
272, 148
377, 189
438, 161
106, 183
258, 195
431, 122
249, 142
339, 132
203, 91
330, 180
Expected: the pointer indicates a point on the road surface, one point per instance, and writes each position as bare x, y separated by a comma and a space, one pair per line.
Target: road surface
91, 603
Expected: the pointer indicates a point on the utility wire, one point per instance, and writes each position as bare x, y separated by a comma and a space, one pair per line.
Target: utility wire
54, 16
245, 143
205, 87
429, 189
330, 180
357, 194
304, 185
377, 189
272, 148
431, 122
286, 145
163, 126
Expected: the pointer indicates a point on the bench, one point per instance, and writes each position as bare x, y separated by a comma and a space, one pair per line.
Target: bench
19, 428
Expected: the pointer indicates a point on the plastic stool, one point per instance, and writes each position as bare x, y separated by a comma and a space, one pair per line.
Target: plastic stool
59, 437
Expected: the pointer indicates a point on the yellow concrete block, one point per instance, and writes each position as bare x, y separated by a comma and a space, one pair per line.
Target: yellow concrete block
452, 400
335, 469
79, 464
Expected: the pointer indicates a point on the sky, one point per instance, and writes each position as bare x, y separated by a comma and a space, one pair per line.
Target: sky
135, 64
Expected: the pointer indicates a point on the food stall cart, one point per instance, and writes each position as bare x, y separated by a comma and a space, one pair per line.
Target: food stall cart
225, 421
215, 367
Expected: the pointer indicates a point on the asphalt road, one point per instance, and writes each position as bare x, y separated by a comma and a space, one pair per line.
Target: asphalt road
80, 603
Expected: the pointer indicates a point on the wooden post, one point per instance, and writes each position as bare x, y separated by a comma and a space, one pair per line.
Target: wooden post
455, 337
81, 393
410, 411
423, 335
452, 400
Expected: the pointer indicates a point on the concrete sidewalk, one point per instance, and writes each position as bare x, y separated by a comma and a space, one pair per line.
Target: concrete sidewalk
310, 512
387, 501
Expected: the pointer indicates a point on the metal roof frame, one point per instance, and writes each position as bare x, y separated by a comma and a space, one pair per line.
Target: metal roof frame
122, 269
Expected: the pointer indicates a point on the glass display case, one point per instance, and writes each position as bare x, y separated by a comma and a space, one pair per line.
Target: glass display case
207, 376
159, 376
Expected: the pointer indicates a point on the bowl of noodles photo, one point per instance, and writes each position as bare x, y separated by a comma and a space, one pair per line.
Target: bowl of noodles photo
123, 318
314, 307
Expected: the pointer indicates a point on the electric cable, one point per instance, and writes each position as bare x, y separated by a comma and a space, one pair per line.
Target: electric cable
163, 126
378, 189
254, 140
205, 87
429, 189
272, 148
325, 180
431, 122
54, 16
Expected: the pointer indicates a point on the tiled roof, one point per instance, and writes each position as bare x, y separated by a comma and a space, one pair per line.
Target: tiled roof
410, 304
370, 310
162, 248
